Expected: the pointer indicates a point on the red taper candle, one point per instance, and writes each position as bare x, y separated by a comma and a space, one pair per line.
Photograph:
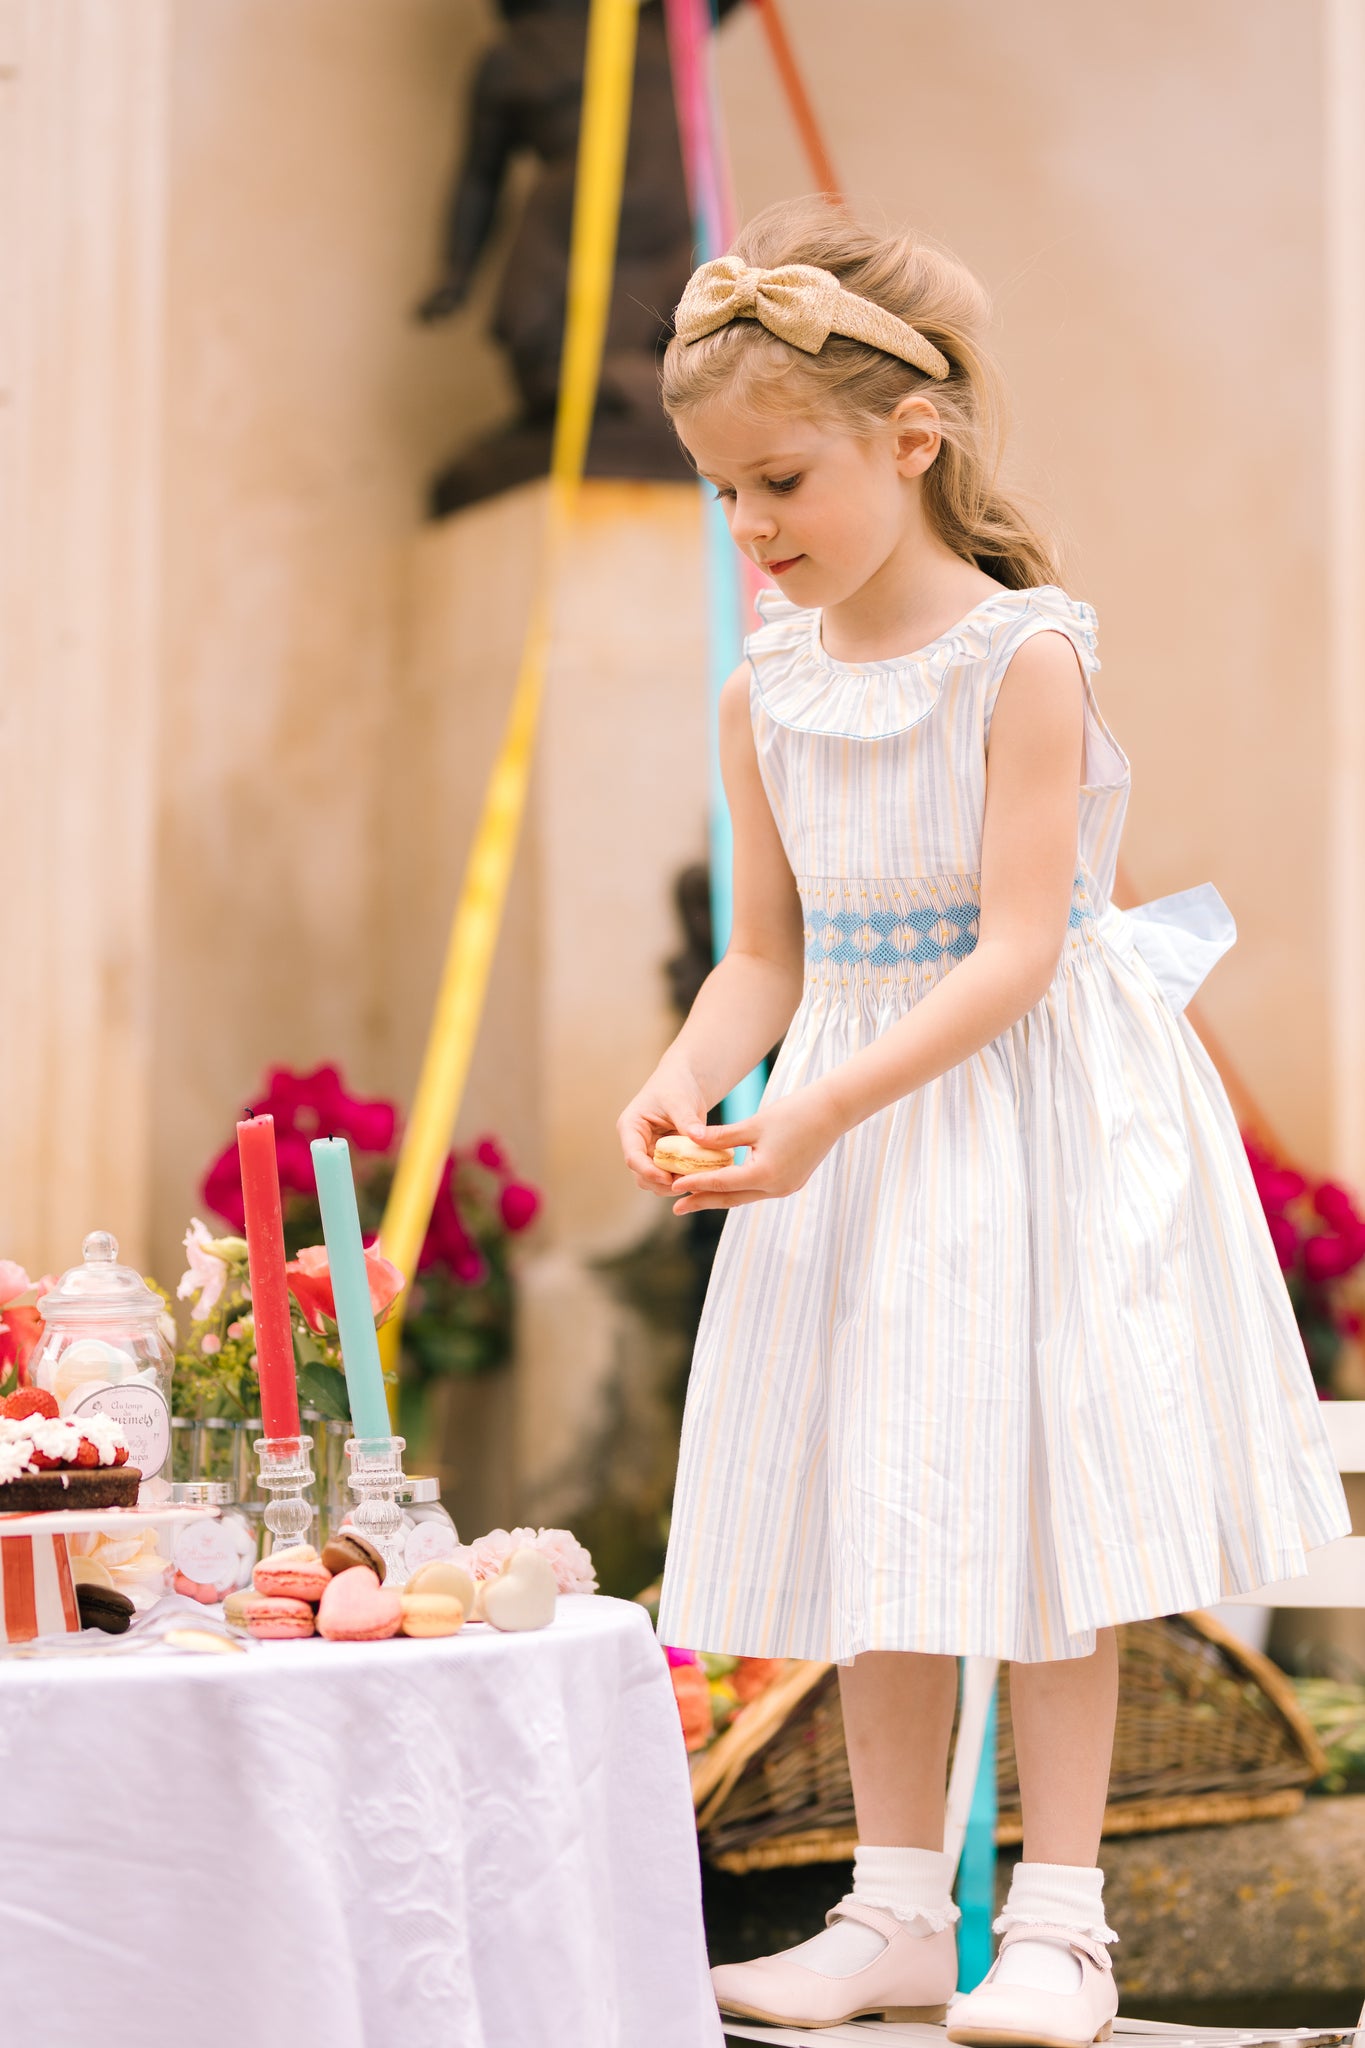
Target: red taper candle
269, 1286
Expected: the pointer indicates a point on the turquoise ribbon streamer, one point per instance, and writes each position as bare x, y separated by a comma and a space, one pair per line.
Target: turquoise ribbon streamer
976, 1872
725, 648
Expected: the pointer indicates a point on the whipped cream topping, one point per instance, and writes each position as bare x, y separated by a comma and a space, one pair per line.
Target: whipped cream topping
57, 1439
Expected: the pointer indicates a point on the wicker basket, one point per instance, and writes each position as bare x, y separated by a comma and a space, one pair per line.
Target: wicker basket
1208, 1731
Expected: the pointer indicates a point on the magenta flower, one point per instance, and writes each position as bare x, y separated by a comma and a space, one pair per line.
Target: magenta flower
519, 1205
679, 1657
1285, 1237
488, 1154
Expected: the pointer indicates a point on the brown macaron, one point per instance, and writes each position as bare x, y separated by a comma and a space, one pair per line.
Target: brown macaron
345, 1550
102, 1607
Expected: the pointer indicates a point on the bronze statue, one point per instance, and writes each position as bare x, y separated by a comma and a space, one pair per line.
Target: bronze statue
526, 96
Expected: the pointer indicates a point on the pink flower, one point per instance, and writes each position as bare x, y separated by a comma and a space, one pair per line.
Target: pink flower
1275, 1184
14, 1281
206, 1275
1327, 1256
209, 1344
1333, 1203
304, 1106
1285, 1238
488, 1154
470, 1266
573, 1565
486, 1558
310, 1283
677, 1657
518, 1204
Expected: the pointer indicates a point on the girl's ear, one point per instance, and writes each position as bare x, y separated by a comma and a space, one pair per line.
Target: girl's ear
917, 434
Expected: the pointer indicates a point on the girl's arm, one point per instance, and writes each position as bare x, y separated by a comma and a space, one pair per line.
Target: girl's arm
747, 1001
1028, 864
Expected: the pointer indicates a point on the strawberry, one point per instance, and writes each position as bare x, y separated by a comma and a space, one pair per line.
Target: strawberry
121, 1455
86, 1453
29, 1401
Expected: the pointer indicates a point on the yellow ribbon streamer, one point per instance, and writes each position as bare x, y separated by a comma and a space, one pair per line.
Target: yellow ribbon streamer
608, 73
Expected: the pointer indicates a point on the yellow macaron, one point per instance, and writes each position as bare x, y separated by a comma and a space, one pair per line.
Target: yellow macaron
677, 1154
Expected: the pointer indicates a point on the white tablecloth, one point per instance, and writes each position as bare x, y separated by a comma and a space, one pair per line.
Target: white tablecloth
482, 1842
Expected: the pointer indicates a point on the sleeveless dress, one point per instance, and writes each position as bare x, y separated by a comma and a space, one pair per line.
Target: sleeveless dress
1018, 1362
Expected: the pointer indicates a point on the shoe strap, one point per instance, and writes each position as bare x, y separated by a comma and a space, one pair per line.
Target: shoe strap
1062, 1937
876, 1917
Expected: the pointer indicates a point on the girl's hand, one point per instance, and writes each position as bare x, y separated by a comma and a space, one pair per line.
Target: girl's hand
670, 1100
787, 1141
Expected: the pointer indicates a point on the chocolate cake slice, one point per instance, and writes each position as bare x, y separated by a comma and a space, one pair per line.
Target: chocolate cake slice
75, 1486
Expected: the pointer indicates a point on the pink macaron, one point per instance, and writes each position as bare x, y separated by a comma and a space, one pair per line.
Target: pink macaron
292, 1575
276, 1620
357, 1609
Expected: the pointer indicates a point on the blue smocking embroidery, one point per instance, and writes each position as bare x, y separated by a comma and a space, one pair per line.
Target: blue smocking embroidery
884, 938
891, 938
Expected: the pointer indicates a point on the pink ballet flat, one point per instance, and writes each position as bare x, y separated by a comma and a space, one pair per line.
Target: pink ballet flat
1022, 2018
912, 1979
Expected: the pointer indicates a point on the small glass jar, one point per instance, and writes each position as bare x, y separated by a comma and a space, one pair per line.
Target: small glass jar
428, 1531
210, 1558
104, 1351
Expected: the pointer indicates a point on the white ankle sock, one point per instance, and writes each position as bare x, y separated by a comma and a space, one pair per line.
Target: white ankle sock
1056, 1895
914, 1884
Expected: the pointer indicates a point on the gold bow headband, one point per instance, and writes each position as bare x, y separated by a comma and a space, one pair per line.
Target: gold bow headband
800, 304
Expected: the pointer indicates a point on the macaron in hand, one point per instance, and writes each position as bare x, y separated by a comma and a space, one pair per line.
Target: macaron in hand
676, 1154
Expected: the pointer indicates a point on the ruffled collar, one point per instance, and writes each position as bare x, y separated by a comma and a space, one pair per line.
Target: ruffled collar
806, 689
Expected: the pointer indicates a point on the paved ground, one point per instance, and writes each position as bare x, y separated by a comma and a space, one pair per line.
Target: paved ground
1259, 1923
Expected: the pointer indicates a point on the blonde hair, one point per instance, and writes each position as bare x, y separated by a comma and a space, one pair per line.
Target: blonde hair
860, 387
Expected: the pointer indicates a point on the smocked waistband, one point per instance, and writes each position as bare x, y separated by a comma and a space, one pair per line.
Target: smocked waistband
913, 930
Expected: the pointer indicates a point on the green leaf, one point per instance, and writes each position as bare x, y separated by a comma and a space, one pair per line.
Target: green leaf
325, 1389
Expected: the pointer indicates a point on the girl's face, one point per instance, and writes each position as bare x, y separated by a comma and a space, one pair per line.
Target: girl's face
820, 509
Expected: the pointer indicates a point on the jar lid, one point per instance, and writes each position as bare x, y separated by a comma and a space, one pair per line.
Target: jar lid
418, 1489
202, 1493
100, 1290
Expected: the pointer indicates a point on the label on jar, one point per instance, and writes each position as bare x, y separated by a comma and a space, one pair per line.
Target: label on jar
426, 1541
210, 1554
141, 1413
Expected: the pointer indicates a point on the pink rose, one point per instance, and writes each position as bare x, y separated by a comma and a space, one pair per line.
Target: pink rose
573, 1565
488, 1154
310, 1283
485, 1559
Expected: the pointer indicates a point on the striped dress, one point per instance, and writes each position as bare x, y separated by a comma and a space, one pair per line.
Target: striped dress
1018, 1361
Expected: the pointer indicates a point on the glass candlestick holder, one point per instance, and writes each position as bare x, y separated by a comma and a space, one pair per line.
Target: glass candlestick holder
377, 1481
286, 1474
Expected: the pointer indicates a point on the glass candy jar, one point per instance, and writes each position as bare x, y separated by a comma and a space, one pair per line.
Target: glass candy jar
428, 1531
213, 1557
104, 1352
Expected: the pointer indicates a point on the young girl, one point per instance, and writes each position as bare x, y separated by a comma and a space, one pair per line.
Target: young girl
996, 1352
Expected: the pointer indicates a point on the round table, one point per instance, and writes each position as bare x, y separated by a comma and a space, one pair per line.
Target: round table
480, 1842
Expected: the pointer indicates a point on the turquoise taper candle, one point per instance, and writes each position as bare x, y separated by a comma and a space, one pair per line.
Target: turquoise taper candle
350, 1288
